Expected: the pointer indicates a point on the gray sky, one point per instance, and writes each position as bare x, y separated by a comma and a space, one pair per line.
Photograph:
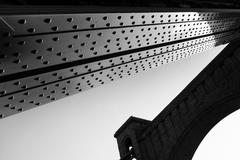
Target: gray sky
222, 142
82, 126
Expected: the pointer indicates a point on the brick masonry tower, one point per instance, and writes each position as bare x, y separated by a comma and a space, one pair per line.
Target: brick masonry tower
178, 130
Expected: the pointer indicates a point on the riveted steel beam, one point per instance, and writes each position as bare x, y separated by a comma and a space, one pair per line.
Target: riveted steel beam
47, 56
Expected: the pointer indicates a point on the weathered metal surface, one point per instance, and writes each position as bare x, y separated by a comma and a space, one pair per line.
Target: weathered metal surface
46, 57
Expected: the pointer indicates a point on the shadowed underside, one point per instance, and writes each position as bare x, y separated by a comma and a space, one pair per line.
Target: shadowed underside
48, 56
133, 3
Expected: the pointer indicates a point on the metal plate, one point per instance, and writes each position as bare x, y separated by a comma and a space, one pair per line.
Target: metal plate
48, 23
47, 57
17, 84
31, 52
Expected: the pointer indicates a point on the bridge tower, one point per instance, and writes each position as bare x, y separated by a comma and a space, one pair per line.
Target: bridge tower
178, 130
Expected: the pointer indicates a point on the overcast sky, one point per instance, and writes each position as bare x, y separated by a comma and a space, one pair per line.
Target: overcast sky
82, 126
222, 142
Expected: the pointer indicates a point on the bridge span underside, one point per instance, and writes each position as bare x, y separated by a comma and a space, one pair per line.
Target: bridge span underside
46, 55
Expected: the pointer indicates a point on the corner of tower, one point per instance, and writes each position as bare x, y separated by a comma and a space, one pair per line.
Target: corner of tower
128, 135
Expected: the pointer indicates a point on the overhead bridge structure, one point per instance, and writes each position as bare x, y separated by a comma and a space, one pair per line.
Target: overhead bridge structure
48, 53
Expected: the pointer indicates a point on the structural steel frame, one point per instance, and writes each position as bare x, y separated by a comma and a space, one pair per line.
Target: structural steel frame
49, 53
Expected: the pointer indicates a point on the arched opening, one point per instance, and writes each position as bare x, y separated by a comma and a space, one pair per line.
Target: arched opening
128, 144
130, 154
222, 142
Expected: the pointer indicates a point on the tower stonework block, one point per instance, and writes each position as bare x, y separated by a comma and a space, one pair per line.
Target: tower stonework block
180, 127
